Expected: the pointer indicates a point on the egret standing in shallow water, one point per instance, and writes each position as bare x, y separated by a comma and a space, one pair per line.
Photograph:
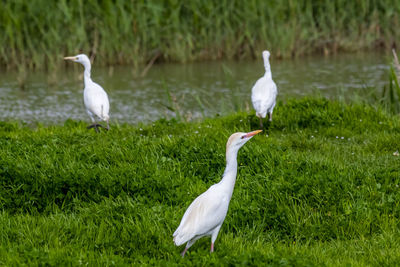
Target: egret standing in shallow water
264, 92
94, 96
205, 215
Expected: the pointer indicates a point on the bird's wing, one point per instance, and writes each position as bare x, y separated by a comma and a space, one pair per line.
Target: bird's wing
257, 94
205, 213
263, 95
270, 99
96, 100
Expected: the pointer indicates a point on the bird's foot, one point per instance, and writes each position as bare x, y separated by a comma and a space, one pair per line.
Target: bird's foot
104, 127
95, 126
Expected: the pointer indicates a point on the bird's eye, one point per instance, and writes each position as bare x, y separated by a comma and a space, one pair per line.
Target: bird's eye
243, 136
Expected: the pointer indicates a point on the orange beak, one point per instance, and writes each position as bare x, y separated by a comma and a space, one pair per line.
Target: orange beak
253, 133
70, 58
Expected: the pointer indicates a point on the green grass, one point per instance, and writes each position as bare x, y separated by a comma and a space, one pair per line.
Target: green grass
322, 189
37, 33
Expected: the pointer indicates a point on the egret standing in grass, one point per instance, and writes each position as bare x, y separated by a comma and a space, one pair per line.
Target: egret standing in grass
205, 215
94, 96
264, 92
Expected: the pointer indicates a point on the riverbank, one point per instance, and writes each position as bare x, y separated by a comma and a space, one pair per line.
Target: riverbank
139, 33
321, 186
191, 91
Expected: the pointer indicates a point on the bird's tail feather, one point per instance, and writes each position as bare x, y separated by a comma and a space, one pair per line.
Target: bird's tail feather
179, 239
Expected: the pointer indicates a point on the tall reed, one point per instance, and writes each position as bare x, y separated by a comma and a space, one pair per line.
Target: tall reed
38, 33
390, 96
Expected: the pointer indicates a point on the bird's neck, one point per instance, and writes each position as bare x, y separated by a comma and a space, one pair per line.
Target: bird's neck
268, 73
86, 76
267, 67
229, 177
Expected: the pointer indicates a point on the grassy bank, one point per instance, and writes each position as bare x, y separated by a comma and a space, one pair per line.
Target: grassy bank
321, 189
38, 33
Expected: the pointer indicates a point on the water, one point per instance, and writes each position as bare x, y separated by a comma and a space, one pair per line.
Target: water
198, 89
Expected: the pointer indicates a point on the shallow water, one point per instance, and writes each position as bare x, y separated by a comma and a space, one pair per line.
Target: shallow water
198, 89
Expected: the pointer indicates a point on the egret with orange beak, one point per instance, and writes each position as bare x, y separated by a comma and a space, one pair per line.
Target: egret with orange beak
94, 96
205, 215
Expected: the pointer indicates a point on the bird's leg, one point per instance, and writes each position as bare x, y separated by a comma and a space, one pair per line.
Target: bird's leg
212, 247
188, 245
184, 251
261, 123
270, 116
94, 124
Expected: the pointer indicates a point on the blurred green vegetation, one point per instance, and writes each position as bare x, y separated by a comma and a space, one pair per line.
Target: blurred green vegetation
37, 33
319, 188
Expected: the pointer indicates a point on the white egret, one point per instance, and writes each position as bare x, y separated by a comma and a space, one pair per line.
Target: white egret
205, 215
264, 92
94, 96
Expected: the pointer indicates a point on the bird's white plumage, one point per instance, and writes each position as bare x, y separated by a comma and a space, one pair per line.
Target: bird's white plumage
264, 92
96, 102
94, 97
205, 215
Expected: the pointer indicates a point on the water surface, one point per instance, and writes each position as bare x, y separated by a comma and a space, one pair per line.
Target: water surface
196, 89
